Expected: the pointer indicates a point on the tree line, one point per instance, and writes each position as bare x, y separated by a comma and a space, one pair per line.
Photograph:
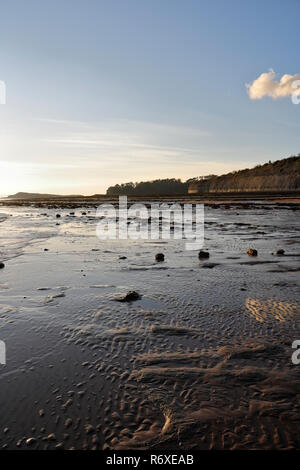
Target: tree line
159, 187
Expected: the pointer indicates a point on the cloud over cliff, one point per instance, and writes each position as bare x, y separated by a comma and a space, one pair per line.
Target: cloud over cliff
267, 85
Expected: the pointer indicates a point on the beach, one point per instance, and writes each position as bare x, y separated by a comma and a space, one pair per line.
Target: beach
201, 360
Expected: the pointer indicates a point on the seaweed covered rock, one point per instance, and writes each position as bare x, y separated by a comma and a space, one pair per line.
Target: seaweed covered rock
130, 296
203, 254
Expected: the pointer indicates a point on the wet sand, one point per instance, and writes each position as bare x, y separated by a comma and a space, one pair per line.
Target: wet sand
201, 361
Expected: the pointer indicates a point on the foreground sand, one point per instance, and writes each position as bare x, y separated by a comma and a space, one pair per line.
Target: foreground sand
202, 360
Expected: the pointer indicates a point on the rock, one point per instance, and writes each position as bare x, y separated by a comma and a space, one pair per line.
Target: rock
2, 265
30, 441
122, 257
46, 249
83, 213
57, 216
160, 257
41, 412
130, 296
279, 252
252, 252
203, 254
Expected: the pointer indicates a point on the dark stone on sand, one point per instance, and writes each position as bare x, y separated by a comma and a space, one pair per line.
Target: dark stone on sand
83, 213
160, 257
57, 216
252, 252
46, 249
2, 265
203, 254
279, 252
122, 257
130, 296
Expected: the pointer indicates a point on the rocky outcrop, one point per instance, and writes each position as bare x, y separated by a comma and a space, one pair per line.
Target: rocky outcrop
282, 175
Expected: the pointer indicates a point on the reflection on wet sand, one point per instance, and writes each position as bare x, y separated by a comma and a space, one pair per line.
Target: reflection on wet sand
269, 309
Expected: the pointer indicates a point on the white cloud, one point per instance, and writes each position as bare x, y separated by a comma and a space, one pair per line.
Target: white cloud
267, 85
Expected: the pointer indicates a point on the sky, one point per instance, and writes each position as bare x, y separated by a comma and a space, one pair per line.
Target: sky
101, 92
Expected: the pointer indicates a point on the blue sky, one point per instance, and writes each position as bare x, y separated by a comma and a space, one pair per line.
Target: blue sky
101, 92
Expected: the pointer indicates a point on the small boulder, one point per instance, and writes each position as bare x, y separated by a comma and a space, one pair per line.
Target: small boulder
30, 441
280, 252
160, 257
2, 265
130, 296
203, 254
58, 216
252, 252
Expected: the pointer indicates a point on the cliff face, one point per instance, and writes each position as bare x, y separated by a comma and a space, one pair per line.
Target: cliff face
283, 175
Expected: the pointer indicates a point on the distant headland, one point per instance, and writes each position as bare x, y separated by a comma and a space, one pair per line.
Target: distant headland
280, 176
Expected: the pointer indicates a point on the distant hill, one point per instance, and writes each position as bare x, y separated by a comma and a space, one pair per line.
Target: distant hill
21, 195
282, 175
29, 195
40, 198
